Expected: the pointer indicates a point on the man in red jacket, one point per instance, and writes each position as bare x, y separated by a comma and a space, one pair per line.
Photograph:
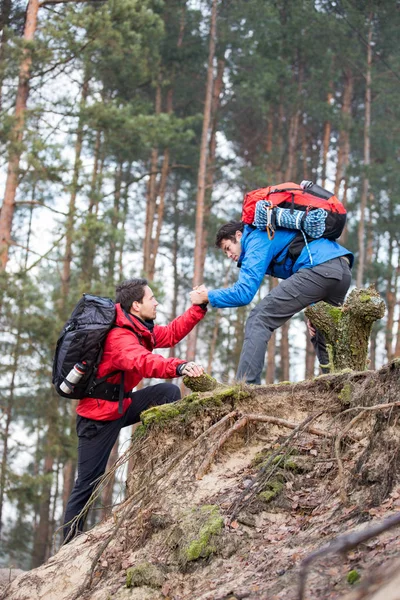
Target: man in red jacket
128, 348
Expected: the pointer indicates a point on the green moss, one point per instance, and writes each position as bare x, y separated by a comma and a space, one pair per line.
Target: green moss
364, 296
273, 489
144, 574
261, 459
203, 383
160, 414
335, 313
345, 394
353, 576
201, 528
188, 406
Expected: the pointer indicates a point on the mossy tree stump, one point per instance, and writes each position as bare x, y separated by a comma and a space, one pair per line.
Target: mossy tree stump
347, 328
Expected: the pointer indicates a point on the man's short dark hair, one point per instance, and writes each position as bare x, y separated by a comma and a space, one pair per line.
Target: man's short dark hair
227, 232
129, 291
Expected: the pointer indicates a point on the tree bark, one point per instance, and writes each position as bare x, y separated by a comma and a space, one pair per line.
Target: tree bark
271, 352
114, 224
201, 179
151, 194
89, 244
285, 353
5, 12
347, 329
326, 137
155, 242
310, 358
41, 535
69, 229
367, 162
212, 148
391, 294
16, 137
343, 155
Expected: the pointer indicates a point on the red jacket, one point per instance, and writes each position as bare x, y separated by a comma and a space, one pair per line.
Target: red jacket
124, 352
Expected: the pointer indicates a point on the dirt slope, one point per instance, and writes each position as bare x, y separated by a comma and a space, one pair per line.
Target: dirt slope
225, 500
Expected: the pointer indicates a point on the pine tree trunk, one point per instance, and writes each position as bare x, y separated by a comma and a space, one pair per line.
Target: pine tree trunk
201, 179
5, 12
343, 155
89, 244
285, 353
41, 535
175, 252
114, 225
310, 357
125, 211
16, 136
69, 230
155, 242
326, 138
214, 335
391, 293
212, 148
8, 412
397, 346
151, 195
367, 162
271, 352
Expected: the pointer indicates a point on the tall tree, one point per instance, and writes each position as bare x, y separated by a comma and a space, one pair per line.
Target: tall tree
367, 160
16, 136
202, 173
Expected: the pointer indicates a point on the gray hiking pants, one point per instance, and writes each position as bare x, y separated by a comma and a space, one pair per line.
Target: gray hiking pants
328, 281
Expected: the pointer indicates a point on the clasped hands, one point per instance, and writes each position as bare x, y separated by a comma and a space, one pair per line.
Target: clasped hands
199, 294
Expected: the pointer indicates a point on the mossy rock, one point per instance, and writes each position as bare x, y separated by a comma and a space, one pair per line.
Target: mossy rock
200, 530
203, 383
144, 574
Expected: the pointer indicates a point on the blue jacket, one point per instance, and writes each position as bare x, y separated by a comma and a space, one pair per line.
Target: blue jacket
255, 261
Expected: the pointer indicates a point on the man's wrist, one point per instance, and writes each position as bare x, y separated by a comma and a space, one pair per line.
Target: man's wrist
180, 368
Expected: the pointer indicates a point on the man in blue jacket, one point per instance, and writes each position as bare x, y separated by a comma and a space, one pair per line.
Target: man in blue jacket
320, 272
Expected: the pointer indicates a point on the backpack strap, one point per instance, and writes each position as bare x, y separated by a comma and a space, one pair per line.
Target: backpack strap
113, 392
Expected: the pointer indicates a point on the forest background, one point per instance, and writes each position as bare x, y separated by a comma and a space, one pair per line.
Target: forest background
130, 130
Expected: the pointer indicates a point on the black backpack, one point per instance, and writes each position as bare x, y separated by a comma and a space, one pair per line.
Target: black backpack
81, 342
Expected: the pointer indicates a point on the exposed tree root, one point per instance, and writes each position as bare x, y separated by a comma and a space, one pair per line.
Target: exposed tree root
364, 410
266, 472
244, 420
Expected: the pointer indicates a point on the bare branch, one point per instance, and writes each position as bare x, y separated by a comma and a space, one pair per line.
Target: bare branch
36, 203
344, 543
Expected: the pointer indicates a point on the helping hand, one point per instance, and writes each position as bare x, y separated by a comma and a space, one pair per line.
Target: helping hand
199, 295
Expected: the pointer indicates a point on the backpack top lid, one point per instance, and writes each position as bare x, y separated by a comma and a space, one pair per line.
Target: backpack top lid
291, 195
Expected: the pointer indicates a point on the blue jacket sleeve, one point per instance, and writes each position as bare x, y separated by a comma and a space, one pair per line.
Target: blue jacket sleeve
259, 252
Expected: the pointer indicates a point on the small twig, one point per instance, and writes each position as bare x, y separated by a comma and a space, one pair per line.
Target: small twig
344, 543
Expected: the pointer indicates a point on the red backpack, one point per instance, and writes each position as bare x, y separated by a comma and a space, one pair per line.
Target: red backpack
292, 197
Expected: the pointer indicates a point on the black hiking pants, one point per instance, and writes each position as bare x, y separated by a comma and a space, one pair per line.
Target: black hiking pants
96, 440
328, 281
